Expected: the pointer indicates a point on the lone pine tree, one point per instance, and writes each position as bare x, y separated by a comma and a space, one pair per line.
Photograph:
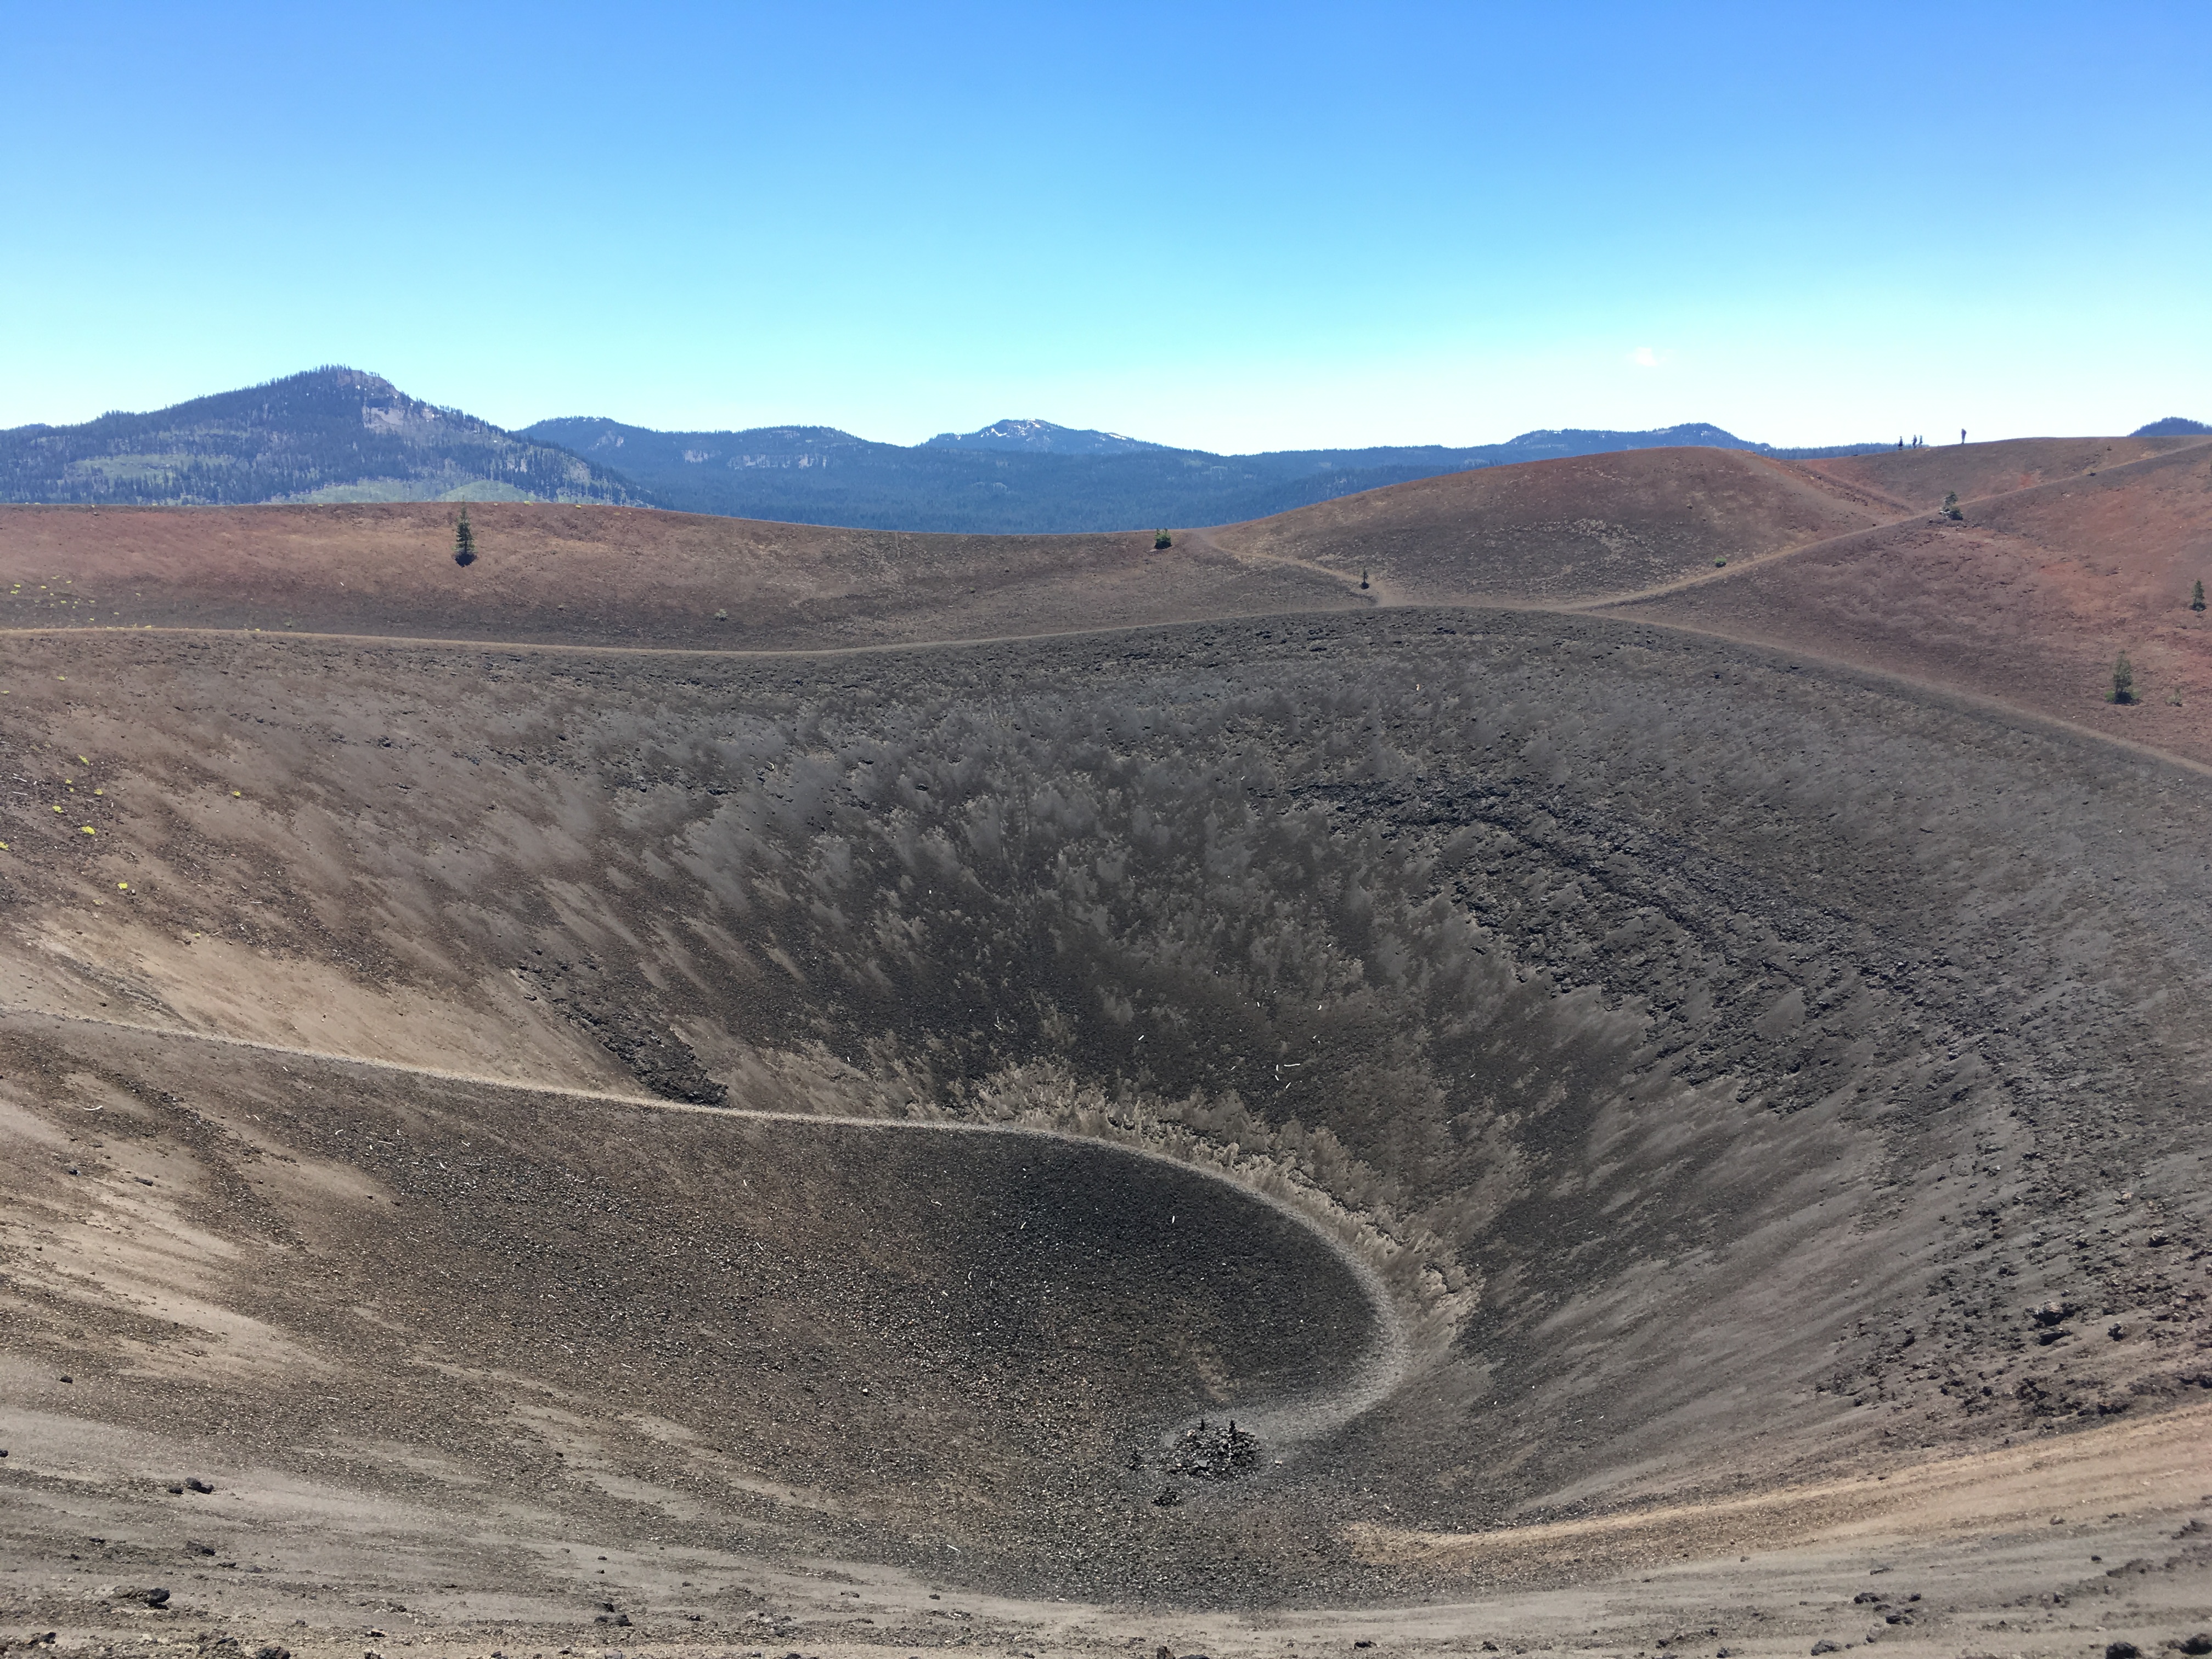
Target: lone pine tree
2123, 680
465, 541
2197, 595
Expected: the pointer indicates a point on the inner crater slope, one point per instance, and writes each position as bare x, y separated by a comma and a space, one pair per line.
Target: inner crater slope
1526, 1068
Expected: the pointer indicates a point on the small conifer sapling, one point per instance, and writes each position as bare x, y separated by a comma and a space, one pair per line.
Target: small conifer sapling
1160, 539
464, 540
2197, 595
2123, 680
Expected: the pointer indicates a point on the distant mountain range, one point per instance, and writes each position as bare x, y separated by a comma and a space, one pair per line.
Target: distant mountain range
336, 435
1031, 476
332, 434
1042, 437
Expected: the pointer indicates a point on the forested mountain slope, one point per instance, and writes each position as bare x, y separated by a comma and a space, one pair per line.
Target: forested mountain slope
330, 434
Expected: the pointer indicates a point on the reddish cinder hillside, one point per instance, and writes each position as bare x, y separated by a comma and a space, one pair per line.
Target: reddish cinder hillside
2029, 598
1586, 526
550, 572
2087, 548
1919, 479
1553, 530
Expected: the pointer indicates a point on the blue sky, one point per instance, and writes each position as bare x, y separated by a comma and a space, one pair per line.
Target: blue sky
1234, 227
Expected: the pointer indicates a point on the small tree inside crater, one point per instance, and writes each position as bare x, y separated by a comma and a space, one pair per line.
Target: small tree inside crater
464, 540
2123, 680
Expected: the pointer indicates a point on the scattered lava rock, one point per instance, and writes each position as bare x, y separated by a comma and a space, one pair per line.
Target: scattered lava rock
1206, 1453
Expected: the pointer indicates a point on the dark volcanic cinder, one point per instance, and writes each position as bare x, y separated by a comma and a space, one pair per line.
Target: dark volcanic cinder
1520, 1066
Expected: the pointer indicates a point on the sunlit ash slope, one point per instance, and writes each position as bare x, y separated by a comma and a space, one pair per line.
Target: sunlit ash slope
2065, 554
553, 573
1579, 1093
1568, 529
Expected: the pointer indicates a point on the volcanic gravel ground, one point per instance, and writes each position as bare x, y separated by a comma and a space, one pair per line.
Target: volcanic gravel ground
1735, 1073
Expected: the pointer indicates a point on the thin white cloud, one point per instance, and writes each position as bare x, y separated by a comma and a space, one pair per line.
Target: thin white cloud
1644, 357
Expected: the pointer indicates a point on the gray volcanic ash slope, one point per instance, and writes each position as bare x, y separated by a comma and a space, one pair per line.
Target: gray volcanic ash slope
1730, 1073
